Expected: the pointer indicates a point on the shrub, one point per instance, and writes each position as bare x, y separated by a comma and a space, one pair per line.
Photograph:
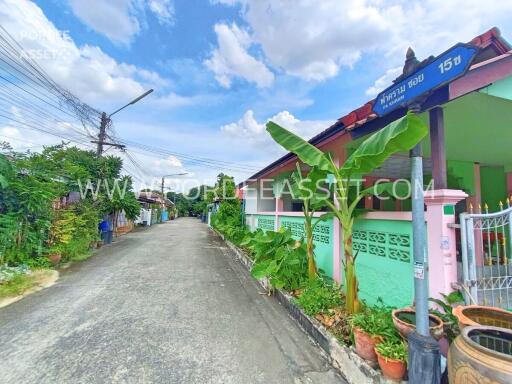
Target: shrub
278, 257
319, 296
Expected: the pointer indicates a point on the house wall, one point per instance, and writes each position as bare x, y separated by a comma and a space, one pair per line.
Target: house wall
383, 241
494, 186
461, 175
384, 263
265, 197
251, 200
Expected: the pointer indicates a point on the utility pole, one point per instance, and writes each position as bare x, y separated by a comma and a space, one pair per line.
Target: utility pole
105, 119
102, 134
424, 357
163, 181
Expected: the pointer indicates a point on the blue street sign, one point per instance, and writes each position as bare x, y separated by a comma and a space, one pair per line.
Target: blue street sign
445, 68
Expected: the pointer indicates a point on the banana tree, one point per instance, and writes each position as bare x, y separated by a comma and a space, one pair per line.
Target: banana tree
399, 136
309, 189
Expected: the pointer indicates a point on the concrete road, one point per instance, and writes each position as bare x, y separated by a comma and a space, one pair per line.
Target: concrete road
166, 304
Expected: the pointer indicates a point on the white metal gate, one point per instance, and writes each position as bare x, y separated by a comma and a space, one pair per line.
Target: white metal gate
486, 258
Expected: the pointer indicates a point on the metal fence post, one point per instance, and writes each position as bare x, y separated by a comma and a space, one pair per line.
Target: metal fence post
473, 289
465, 271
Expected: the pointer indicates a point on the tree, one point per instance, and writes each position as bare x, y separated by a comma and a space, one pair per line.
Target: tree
399, 136
31, 183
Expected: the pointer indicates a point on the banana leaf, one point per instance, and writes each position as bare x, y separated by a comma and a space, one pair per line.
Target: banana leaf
306, 152
399, 136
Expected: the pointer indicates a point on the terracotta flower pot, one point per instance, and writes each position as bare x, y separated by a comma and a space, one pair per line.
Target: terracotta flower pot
365, 345
471, 315
403, 319
391, 369
54, 257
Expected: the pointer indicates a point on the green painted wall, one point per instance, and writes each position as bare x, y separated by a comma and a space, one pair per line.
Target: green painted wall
461, 175
322, 238
384, 261
493, 186
265, 222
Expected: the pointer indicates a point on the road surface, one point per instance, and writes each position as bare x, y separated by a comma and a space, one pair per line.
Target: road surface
166, 304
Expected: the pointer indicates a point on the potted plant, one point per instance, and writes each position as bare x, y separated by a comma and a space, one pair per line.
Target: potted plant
404, 320
369, 328
60, 234
54, 255
392, 357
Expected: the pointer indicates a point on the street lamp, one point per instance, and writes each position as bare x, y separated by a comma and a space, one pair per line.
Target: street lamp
104, 121
172, 174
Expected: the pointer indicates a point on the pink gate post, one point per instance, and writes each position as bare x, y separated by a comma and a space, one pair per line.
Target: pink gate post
442, 249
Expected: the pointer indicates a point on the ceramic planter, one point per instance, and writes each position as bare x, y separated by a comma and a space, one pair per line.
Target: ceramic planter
391, 369
54, 258
403, 319
365, 345
481, 355
471, 315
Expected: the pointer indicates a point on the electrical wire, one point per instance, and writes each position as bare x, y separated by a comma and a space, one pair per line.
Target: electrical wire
31, 99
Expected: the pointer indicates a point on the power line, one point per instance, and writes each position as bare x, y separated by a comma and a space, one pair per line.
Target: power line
189, 158
42, 105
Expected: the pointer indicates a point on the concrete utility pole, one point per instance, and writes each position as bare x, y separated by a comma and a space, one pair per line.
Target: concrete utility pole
173, 174
424, 357
102, 135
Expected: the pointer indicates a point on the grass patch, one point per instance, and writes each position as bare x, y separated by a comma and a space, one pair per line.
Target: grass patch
22, 283
82, 256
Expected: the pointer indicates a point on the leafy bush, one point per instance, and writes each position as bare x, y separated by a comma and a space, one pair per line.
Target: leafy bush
31, 185
235, 234
278, 257
319, 296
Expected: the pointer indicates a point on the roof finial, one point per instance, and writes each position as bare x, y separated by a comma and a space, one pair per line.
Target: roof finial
411, 62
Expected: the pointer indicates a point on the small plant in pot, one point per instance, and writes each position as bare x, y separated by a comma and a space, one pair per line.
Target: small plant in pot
370, 327
392, 357
54, 255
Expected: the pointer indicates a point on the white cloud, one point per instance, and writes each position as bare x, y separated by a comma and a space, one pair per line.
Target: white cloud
170, 163
231, 58
384, 81
173, 100
163, 10
313, 39
86, 70
120, 20
247, 127
114, 19
249, 132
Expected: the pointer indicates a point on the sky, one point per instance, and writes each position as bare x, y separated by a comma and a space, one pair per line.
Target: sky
222, 68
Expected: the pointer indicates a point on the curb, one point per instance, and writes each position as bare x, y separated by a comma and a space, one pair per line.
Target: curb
353, 368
